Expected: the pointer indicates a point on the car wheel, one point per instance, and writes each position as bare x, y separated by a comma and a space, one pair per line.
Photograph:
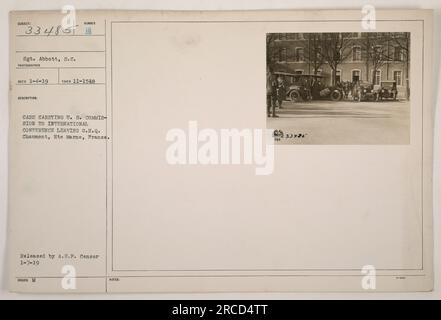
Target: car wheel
336, 95
295, 96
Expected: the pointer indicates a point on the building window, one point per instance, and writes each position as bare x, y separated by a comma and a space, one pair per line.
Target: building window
282, 54
299, 55
296, 36
356, 75
299, 71
338, 76
356, 53
377, 78
398, 54
398, 78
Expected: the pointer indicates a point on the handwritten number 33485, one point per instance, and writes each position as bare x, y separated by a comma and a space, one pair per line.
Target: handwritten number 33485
53, 30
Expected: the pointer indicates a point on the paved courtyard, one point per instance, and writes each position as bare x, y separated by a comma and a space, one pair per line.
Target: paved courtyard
343, 122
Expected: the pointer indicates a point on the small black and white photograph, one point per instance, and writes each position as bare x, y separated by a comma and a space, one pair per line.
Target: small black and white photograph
338, 88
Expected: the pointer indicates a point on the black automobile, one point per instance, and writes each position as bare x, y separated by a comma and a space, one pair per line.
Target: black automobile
305, 87
364, 91
320, 91
387, 90
297, 86
334, 93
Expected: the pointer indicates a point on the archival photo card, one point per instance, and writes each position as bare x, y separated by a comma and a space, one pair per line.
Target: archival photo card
145, 157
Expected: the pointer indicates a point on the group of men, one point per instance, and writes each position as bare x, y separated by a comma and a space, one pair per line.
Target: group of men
276, 90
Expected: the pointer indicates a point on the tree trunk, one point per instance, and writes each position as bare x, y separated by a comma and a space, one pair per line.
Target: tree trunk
334, 75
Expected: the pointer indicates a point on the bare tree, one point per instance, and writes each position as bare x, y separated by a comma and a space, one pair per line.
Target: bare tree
336, 48
402, 41
313, 51
375, 48
272, 50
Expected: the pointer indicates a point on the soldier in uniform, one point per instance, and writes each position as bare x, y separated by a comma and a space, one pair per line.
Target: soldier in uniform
270, 94
280, 91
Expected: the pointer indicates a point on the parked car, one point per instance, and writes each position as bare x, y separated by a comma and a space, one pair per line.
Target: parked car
333, 93
387, 90
297, 86
305, 87
323, 92
364, 91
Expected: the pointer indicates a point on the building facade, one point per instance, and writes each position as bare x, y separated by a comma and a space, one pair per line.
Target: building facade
368, 57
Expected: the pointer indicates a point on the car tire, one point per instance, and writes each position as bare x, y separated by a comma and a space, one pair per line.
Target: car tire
295, 96
336, 95
357, 97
